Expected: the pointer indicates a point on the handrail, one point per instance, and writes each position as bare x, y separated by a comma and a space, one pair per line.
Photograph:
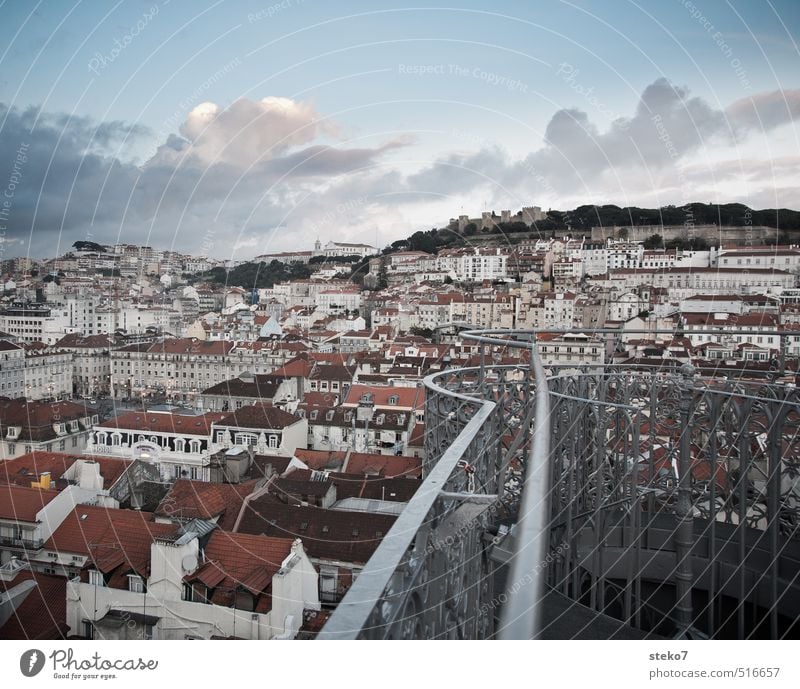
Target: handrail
522, 612
352, 614
374, 605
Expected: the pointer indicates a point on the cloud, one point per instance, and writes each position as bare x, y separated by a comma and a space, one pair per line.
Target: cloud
668, 129
244, 164
765, 111
231, 175
248, 132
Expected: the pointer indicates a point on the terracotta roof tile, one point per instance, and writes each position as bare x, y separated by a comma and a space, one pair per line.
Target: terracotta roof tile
42, 614
188, 499
29, 467
98, 532
244, 560
384, 465
257, 416
22, 504
165, 422
326, 534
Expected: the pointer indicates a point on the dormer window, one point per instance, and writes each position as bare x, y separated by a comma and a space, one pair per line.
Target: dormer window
135, 583
13, 432
96, 578
329, 415
366, 397
393, 399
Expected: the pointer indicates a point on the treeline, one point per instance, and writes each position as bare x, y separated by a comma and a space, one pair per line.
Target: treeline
730, 214
257, 275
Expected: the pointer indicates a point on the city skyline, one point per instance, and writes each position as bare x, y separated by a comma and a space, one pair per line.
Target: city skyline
396, 123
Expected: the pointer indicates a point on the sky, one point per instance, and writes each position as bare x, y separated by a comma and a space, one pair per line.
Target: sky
231, 128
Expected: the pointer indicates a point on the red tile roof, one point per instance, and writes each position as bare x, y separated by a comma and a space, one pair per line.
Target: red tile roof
43, 612
241, 560
384, 465
37, 418
165, 422
321, 459
407, 398
348, 485
22, 504
195, 499
417, 438
299, 367
80, 341
261, 416
105, 534
29, 467
326, 534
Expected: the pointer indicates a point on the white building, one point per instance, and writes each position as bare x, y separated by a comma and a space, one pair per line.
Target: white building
336, 249
179, 445
166, 587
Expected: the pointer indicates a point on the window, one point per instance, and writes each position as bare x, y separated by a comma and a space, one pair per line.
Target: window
135, 583
188, 592
327, 584
393, 399
96, 578
273, 441
246, 439
88, 629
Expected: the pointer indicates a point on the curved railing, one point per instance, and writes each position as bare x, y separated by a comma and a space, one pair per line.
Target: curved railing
431, 572
650, 495
679, 499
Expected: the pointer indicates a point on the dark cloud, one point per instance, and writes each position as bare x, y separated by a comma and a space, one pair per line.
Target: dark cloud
579, 160
234, 174
766, 110
74, 182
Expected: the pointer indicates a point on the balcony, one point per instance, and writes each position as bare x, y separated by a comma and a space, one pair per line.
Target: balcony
652, 502
26, 543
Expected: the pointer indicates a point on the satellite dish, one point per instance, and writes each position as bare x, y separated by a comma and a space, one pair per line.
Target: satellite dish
189, 563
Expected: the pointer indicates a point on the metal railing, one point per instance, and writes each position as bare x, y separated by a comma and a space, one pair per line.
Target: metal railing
672, 502
27, 543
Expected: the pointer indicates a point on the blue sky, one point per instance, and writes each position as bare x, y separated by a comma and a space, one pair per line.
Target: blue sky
148, 120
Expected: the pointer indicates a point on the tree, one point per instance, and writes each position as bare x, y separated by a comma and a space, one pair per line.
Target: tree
622, 233
448, 280
470, 229
422, 241
383, 275
654, 241
85, 245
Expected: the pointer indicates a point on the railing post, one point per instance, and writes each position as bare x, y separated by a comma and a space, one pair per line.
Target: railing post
684, 535
783, 339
